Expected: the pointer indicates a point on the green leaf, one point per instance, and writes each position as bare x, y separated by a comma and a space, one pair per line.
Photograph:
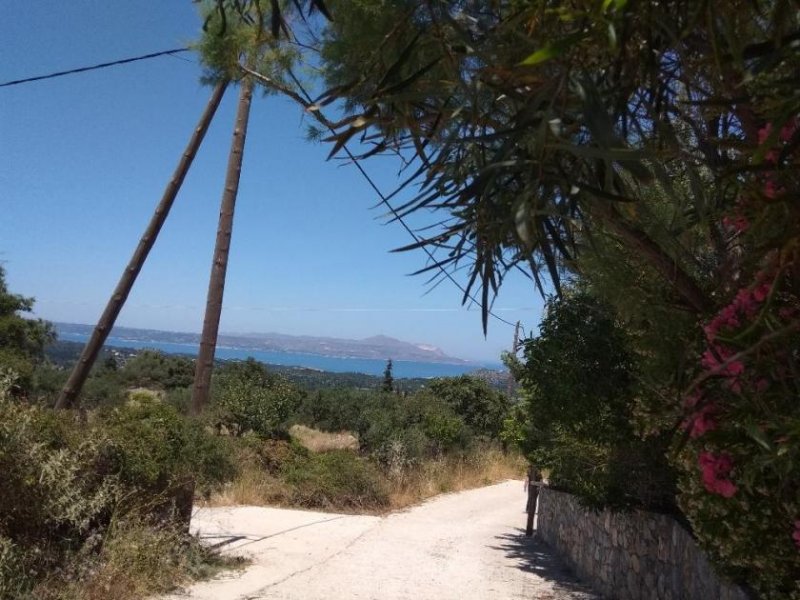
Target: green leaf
618, 4
758, 436
553, 50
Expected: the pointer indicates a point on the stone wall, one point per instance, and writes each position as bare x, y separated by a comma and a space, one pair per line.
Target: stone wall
630, 556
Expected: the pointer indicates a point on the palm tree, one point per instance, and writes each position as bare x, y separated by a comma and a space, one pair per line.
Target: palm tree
68, 396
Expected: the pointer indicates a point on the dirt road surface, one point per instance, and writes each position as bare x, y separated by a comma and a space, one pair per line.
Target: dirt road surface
463, 546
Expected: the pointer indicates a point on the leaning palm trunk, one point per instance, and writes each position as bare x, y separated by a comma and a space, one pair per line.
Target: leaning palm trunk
219, 264
80, 372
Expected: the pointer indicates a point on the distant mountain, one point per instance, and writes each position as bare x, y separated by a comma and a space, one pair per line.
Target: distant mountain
376, 347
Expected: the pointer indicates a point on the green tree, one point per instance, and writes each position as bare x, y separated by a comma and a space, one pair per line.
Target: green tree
578, 382
649, 149
151, 368
580, 369
248, 398
482, 408
388, 380
401, 430
232, 29
530, 125
22, 340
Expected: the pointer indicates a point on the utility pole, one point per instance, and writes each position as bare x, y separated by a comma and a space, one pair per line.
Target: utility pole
69, 394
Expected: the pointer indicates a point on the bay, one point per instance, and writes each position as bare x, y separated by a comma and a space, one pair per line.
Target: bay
336, 364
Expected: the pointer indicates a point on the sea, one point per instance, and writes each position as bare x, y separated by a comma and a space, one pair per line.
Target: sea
336, 364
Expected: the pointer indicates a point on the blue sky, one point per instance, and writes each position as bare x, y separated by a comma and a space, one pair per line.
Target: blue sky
84, 159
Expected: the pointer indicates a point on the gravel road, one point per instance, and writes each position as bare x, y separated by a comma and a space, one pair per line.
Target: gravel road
468, 545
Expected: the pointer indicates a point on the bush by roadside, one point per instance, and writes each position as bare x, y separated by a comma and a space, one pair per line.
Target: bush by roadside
84, 504
281, 473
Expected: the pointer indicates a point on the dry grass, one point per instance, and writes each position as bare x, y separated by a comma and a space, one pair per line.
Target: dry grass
453, 474
253, 486
322, 441
403, 488
135, 562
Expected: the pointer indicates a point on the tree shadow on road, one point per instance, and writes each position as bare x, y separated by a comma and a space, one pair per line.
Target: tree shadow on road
533, 555
232, 538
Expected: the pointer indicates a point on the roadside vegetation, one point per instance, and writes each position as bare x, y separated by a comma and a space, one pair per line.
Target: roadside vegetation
95, 501
638, 159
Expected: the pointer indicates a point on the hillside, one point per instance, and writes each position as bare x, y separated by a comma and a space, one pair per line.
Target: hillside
378, 347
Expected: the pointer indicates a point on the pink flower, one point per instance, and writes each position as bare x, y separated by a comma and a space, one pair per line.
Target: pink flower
738, 223
715, 470
772, 189
715, 357
796, 534
744, 305
761, 385
772, 157
735, 368
724, 487
702, 421
709, 360
743, 301
729, 312
734, 385
761, 292
711, 330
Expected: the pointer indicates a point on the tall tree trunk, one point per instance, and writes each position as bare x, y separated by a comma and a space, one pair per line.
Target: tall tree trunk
80, 372
219, 264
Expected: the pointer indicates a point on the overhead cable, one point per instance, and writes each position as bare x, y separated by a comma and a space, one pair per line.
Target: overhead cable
114, 63
385, 200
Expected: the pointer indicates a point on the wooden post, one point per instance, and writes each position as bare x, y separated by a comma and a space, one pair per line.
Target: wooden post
69, 394
533, 493
219, 262
534, 481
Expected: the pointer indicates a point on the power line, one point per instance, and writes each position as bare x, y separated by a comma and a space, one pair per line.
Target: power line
95, 67
385, 201
373, 185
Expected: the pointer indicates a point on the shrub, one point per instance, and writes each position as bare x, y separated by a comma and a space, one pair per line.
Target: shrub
577, 382
749, 534
151, 368
739, 442
482, 408
249, 398
337, 409
70, 488
405, 430
16, 570
56, 491
154, 448
445, 431
337, 479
